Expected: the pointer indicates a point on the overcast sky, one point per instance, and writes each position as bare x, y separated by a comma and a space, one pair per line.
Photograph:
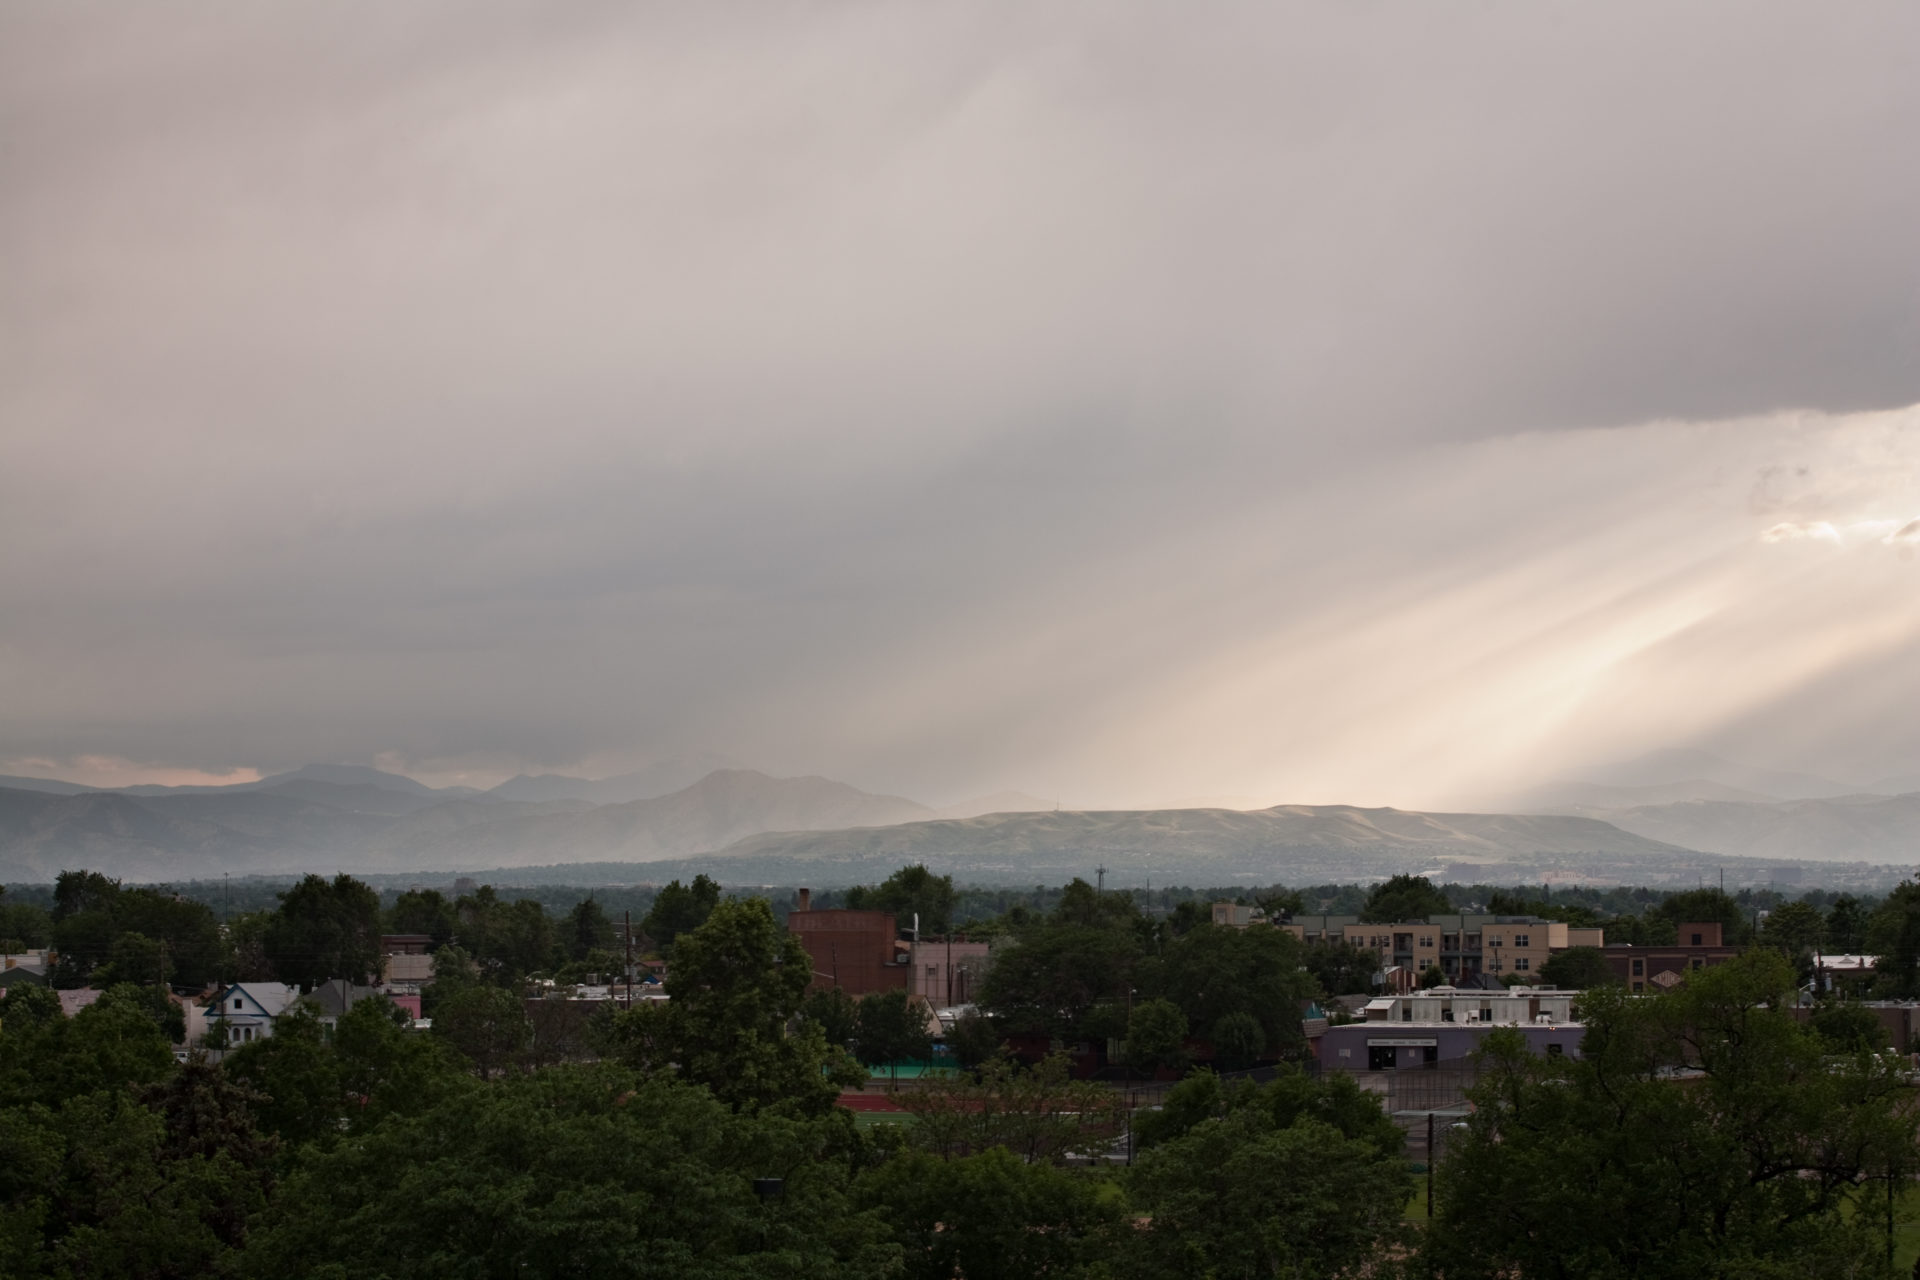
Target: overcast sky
1345, 402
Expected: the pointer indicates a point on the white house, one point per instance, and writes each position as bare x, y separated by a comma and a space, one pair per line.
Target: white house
246, 1010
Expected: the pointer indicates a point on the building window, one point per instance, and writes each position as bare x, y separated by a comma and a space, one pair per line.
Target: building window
1638, 987
1639, 967
1554, 1051
1696, 963
1520, 939
1696, 939
1522, 964
236, 1002
1495, 942
1426, 942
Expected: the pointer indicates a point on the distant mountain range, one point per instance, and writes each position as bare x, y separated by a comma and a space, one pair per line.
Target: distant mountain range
1634, 823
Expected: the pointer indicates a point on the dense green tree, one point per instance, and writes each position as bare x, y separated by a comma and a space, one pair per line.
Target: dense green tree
1068, 973
1186, 917
1846, 925
909, 891
1332, 1099
386, 1068
1157, 1036
680, 909
486, 1024
323, 930
93, 916
1239, 1041
424, 911
836, 1013
587, 930
295, 1078
891, 1026
1403, 897
104, 1186
1763, 1163
245, 958
113, 1043
135, 958
1039, 1113
1893, 938
1216, 972
187, 930
578, 1171
990, 1216
1849, 1028
507, 940
1238, 1195
1794, 929
1577, 969
77, 892
1708, 906
24, 926
973, 1039
1341, 968
736, 983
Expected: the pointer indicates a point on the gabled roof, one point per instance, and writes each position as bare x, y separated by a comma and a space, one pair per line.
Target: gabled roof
270, 998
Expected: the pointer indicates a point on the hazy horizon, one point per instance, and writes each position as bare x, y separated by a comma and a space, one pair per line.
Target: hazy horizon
1118, 404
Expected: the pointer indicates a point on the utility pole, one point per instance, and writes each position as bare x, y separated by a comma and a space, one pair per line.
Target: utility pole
1101, 872
949, 967
1128, 1061
626, 927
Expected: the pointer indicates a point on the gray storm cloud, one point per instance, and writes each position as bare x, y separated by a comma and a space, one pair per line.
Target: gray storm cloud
1307, 402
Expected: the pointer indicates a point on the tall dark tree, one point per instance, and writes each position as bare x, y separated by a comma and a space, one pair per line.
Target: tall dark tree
1846, 925
508, 940
1341, 968
324, 930
1404, 897
679, 909
1708, 906
587, 929
735, 985
891, 1026
24, 926
423, 911
1893, 937
1068, 973
1577, 969
910, 891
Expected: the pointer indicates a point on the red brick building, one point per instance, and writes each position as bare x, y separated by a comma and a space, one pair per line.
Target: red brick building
857, 951
1653, 969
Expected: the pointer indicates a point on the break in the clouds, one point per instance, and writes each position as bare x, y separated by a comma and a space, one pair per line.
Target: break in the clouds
1117, 402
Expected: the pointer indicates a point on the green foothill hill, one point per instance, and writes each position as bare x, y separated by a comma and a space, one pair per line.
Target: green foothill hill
1287, 842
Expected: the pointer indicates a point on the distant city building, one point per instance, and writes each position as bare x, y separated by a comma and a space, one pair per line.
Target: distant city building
1653, 969
948, 973
1462, 947
1443, 1025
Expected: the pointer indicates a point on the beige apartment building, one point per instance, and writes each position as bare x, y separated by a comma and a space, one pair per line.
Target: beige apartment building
1461, 946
